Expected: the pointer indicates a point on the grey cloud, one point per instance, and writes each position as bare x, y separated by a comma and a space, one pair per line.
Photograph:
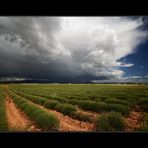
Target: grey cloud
22, 52
60, 48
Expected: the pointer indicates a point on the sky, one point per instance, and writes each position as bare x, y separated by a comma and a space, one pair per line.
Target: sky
74, 49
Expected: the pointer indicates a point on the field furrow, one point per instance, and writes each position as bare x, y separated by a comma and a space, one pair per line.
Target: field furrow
66, 109
17, 120
67, 123
43, 119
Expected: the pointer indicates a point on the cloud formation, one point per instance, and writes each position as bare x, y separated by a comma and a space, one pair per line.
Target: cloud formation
68, 48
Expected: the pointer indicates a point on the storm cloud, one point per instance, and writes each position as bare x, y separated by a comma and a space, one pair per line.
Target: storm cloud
68, 48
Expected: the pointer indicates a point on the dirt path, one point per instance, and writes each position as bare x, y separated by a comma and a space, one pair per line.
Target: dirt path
133, 121
17, 120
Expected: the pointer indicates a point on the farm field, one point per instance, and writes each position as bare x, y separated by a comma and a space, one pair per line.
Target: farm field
73, 107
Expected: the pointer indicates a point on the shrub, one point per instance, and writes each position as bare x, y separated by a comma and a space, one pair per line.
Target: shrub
66, 109
116, 101
46, 121
144, 104
122, 97
111, 121
60, 99
81, 117
127, 98
119, 108
145, 107
102, 98
74, 101
51, 104
144, 122
143, 101
90, 105
94, 106
3, 119
35, 99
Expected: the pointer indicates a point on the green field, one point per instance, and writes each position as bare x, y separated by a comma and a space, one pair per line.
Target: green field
113, 105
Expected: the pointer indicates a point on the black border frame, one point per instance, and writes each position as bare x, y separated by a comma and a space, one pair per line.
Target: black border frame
74, 138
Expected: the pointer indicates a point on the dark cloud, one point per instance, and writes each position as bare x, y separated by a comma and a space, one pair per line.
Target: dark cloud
22, 54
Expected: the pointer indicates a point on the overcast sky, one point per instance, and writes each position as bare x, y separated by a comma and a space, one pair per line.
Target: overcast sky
74, 48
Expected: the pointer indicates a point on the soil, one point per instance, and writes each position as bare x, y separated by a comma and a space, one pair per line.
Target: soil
69, 124
133, 121
17, 120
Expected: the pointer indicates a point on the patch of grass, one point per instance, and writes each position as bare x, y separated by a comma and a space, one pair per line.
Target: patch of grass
84, 104
124, 110
41, 98
130, 99
102, 98
3, 119
74, 101
90, 105
81, 117
66, 109
60, 99
144, 122
111, 121
51, 104
116, 101
145, 107
143, 127
94, 106
35, 99
144, 104
43, 119
100, 106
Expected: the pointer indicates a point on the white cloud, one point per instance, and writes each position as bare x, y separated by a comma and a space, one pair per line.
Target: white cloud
132, 77
127, 65
136, 77
12, 79
117, 72
100, 42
